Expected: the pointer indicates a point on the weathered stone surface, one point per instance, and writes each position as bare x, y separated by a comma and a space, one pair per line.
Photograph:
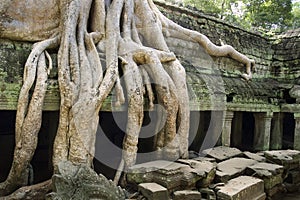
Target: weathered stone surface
171, 175
289, 159
254, 156
242, 188
271, 174
212, 160
153, 191
222, 153
232, 168
82, 182
208, 168
187, 195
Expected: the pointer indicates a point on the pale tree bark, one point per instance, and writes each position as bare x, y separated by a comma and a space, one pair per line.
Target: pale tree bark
133, 32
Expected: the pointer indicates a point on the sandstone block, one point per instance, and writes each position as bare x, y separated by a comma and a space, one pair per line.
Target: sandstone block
254, 156
232, 168
222, 153
172, 175
187, 195
289, 159
271, 174
153, 191
242, 188
204, 168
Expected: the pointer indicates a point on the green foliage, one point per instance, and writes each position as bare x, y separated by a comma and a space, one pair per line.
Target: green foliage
219, 8
296, 15
269, 14
262, 15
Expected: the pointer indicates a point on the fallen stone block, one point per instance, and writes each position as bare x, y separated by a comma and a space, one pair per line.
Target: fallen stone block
222, 153
289, 159
205, 168
232, 168
271, 174
172, 175
153, 191
242, 188
254, 156
187, 195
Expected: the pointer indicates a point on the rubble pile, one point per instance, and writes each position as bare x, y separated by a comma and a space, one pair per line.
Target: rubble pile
223, 173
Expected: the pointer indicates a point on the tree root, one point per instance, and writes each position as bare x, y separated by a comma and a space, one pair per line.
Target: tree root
134, 32
31, 192
29, 116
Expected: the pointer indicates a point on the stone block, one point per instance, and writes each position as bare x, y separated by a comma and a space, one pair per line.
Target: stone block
187, 195
204, 168
289, 159
242, 188
222, 153
153, 191
254, 156
232, 168
172, 175
271, 174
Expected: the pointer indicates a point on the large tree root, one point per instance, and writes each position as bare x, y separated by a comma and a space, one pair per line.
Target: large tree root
29, 116
33, 192
134, 33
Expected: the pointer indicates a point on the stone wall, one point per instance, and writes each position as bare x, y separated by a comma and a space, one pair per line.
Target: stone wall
212, 81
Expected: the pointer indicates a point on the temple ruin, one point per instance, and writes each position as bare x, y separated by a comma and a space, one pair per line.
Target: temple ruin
261, 114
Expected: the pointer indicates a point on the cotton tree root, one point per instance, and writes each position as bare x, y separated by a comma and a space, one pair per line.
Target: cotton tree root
29, 116
134, 33
37, 191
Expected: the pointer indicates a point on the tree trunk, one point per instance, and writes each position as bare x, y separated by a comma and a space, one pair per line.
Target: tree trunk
133, 32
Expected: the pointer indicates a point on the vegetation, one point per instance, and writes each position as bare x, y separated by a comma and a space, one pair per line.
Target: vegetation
131, 34
261, 15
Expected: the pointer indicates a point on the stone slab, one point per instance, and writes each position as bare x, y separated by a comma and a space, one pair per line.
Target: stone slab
271, 174
222, 153
265, 169
232, 168
203, 168
153, 191
289, 159
172, 175
187, 195
254, 156
242, 188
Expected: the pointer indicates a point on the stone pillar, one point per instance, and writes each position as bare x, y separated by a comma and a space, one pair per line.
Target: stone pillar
237, 128
262, 131
297, 131
276, 132
226, 132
